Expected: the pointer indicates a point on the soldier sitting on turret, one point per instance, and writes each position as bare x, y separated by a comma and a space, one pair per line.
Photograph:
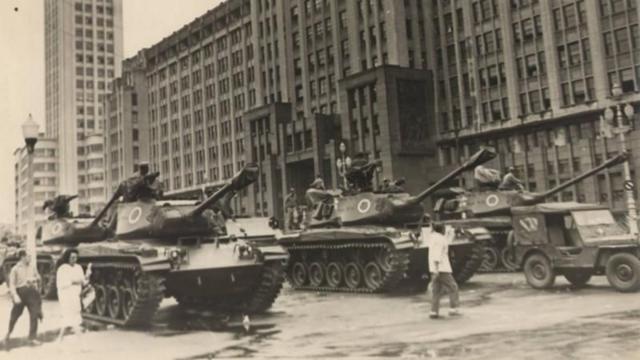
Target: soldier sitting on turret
510, 181
360, 174
59, 206
319, 199
140, 186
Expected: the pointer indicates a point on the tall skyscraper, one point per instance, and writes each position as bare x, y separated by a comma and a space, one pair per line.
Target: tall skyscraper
83, 53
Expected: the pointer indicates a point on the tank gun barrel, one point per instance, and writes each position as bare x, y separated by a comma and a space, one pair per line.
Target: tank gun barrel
244, 178
478, 158
116, 195
618, 159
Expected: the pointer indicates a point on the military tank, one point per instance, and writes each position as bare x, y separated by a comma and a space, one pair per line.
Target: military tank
491, 210
59, 233
182, 249
360, 240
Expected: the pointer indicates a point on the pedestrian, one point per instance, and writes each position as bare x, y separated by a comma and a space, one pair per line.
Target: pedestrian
70, 278
23, 286
290, 203
440, 267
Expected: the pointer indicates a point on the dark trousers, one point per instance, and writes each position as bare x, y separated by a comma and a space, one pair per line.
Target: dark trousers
438, 283
30, 298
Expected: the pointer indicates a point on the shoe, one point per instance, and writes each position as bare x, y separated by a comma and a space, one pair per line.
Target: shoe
454, 312
34, 342
434, 315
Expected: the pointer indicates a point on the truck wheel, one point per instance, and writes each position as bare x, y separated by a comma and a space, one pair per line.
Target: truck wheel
623, 272
578, 278
538, 271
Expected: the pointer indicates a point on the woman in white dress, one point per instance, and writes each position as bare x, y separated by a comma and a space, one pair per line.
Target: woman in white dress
69, 280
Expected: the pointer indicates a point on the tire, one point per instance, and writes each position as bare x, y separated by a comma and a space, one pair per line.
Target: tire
539, 272
578, 278
623, 272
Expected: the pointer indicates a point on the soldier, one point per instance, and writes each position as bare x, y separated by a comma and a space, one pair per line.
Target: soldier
510, 181
290, 204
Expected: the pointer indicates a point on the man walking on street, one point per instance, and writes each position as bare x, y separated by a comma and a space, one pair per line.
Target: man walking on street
23, 287
440, 268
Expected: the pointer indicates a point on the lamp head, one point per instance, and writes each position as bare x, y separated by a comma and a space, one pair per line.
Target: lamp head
30, 133
616, 90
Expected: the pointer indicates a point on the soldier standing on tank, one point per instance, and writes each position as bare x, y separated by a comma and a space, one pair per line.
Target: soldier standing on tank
440, 267
290, 204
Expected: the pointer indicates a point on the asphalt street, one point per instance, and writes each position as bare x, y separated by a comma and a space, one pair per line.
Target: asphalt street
503, 319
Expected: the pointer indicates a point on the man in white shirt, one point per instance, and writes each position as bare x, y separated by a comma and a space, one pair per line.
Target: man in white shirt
440, 268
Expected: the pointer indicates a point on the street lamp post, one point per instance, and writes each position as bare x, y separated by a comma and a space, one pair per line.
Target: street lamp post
343, 163
621, 129
30, 134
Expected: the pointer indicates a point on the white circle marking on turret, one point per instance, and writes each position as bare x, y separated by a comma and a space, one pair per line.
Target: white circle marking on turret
135, 215
492, 200
364, 205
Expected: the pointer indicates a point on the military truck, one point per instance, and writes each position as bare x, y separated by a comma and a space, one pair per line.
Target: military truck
577, 241
491, 209
181, 249
360, 240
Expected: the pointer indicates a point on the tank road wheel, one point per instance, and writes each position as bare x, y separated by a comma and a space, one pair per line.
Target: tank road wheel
127, 298
373, 276
334, 275
352, 275
491, 257
539, 272
114, 302
384, 258
100, 303
623, 272
316, 274
298, 275
507, 259
578, 278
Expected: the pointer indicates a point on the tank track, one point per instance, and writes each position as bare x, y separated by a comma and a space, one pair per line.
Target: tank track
144, 290
472, 263
398, 266
259, 300
268, 290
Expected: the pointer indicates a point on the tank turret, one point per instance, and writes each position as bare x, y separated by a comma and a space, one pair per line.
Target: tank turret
499, 202
62, 228
360, 205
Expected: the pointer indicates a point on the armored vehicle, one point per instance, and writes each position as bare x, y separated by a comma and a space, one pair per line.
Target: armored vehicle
60, 232
577, 241
181, 249
491, 209
359, 240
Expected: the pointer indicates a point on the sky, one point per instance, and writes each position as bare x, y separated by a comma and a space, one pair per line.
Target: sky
22, 65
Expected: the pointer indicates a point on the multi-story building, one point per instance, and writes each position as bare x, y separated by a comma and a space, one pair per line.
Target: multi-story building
260, 81
126, 130
83, 53
35, 182
533, 78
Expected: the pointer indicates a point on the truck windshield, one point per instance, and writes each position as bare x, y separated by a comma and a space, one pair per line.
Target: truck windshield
597, 225
593, 217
